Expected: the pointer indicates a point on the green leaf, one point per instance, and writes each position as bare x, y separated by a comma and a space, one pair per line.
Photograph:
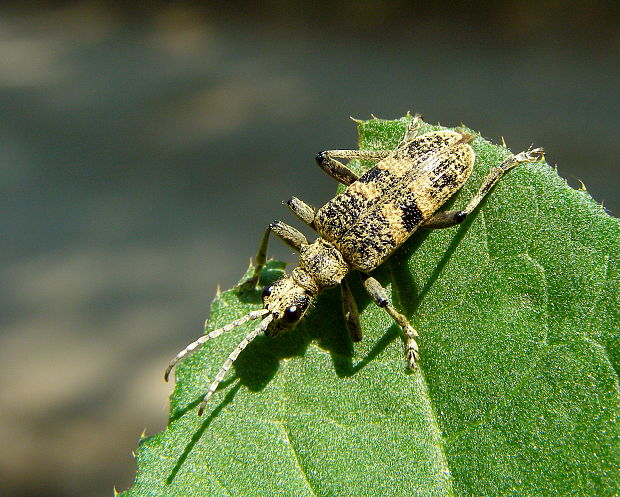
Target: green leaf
517, 391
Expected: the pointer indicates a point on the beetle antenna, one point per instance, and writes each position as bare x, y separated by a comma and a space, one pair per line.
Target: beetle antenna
232, 358
192, 347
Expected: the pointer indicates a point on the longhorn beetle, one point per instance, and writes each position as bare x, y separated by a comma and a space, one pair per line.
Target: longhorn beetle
359, 229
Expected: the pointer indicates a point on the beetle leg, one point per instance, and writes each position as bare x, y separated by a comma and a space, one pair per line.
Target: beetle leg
303, 211
351, 315
452, 218
444, 220
289, 235
337, 170
379, 295
530, 155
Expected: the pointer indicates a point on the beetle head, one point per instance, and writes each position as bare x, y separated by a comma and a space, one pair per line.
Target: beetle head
287, 302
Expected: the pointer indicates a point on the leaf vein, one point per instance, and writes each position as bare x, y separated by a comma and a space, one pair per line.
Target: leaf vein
287, 437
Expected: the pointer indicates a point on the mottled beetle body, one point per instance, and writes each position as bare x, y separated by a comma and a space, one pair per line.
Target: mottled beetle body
360, 228
378, 212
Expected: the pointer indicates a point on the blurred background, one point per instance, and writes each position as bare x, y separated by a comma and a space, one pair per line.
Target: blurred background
144, 149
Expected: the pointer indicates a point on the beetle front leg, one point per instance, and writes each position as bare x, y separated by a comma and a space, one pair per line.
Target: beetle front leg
289, 235
451, 218
379, 296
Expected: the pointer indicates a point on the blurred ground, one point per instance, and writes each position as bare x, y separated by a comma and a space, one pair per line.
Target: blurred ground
143, 153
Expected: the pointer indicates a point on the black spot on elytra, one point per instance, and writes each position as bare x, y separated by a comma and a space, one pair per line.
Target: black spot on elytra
372, 174
412, 216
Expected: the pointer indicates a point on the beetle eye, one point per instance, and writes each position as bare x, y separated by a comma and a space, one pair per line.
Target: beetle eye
292, 313
266, 291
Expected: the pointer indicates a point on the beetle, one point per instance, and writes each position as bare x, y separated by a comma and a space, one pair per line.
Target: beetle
359, 229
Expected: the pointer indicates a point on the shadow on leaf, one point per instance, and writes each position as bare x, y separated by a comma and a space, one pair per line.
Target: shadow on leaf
200, 431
